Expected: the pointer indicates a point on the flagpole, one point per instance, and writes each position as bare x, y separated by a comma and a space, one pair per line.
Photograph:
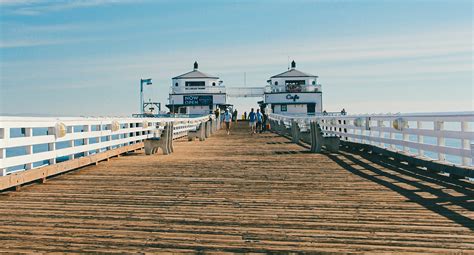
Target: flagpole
148, 82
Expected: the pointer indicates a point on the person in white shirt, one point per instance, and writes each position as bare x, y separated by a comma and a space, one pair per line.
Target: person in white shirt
227, 120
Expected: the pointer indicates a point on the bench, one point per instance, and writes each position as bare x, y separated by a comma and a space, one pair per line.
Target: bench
318, 140
313, 136
200, 132
163, 141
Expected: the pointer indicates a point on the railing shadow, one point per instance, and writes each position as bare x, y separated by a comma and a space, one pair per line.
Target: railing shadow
418, 176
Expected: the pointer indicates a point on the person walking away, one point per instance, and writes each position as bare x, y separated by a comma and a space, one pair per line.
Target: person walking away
252, 121
227, 121
235, 115
245, 115
264, 124
217, 112
259, 121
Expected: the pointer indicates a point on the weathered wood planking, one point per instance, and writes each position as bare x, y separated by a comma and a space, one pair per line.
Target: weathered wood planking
20, 178
241, 193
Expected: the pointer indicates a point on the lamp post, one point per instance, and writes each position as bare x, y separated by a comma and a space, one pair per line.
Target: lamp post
147, 82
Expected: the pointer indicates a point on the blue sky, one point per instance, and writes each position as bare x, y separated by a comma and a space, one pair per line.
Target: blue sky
86, 57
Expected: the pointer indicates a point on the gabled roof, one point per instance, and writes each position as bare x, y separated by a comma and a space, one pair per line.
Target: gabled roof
293, 73
196, 74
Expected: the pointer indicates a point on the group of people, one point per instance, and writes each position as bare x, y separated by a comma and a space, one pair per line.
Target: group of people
257, 120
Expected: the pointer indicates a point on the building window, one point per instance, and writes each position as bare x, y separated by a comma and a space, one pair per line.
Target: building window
213, 84
195, 84
283, 108
276, 83
294, 85
314, 82
176, 84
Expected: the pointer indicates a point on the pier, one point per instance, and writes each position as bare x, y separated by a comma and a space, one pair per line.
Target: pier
238, 193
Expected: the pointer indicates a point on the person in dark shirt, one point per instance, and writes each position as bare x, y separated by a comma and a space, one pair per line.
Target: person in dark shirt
259, 121
252, 121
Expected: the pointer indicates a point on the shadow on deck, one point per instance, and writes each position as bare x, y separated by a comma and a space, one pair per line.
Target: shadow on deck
241, 193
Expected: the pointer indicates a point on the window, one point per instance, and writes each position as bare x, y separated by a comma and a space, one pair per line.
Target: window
283, 108
276, 83
213, 84
294, 85
176, 84
314, 82
195, 84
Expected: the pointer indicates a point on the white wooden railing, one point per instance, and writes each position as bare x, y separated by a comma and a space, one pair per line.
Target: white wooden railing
447, 137
30, 142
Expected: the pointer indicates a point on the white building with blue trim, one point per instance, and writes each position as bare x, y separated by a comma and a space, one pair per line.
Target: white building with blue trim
196, 92
294, 92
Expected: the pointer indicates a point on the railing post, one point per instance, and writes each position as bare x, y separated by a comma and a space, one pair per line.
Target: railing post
405, 139
29, 148
86, 129
70, 131
367, 130
420, 138
381, 133
98, 128
109, 137
392, 137
52, 146
4, 135
466, 161
439, 126
472, 153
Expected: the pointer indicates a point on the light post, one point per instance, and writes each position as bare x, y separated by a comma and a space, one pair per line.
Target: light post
147, 82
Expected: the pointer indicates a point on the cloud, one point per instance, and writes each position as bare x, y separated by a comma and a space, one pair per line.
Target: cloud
18, 2
43, 42
37, 7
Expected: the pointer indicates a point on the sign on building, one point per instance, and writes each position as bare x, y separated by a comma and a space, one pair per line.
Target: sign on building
197, 100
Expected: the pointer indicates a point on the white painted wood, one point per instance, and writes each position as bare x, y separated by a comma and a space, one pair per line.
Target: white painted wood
440, 140
131, 131
420, 138
466, 144
400, 137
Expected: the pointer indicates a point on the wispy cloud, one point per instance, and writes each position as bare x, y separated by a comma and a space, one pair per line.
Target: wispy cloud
36, 7
18, 2
44, 42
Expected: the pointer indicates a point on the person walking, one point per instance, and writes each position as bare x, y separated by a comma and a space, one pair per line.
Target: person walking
245, 115
264, 124
259, 121
227, 120
252, 121
235, 115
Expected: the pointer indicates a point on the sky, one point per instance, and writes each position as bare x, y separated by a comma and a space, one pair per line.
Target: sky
86, 57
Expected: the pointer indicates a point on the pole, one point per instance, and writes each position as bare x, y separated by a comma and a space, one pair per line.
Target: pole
141, 96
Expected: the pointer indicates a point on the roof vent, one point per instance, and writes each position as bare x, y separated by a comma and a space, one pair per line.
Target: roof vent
195, 65
293, 64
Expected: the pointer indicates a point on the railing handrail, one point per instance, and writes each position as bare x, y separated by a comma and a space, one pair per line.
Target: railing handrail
96, 135
382, 130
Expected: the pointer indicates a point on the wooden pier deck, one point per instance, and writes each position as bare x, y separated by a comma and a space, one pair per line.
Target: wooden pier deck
241, 193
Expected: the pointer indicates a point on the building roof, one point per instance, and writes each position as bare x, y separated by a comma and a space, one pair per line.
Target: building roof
293, 73
196, 74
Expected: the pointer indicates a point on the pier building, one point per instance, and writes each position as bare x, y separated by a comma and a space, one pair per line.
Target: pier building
294, 92
196, 92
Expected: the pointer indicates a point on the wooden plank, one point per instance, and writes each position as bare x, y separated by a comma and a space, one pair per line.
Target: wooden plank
19, 178
241, 193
